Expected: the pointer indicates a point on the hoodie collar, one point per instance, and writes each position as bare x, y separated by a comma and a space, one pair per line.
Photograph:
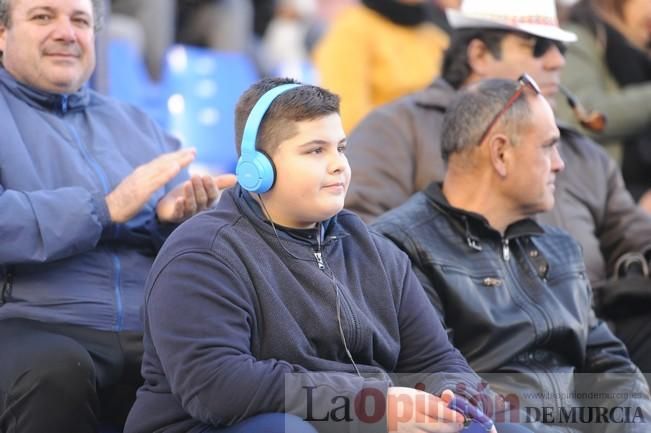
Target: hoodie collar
251, 209
57, 102
476, 226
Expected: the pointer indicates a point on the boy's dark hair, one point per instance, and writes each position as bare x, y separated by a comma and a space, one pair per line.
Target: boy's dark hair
278, 124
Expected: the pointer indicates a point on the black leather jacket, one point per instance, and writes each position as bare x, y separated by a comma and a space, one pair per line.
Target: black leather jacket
518, 303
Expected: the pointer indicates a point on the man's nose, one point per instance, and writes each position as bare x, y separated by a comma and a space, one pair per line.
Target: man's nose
557, 161
553, 58
65, 30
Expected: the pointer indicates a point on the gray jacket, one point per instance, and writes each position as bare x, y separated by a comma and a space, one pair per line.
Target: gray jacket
395, 152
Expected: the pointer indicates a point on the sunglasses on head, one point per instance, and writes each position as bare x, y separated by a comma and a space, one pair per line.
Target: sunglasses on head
525, 81
542, 45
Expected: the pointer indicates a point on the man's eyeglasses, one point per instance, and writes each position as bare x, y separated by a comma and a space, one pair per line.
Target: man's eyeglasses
542, 45
524, 81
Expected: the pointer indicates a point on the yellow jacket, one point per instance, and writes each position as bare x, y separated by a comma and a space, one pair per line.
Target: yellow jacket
369, 60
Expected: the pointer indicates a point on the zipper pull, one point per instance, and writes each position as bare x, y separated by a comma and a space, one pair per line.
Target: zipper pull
6, 287
319, 260
506, 252
64, 104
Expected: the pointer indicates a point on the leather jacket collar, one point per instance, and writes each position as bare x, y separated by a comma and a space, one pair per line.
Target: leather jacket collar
475, 226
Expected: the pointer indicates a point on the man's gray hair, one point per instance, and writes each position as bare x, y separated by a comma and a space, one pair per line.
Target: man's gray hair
98, 13
471, 112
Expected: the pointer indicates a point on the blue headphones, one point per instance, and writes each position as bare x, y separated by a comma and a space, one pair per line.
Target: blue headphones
255, 171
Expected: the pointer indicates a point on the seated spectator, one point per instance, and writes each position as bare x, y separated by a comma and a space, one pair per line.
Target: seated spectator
396, 152
277, 282
377, 51
151, 26
222, 25
512, 294
89, 189
284, 47
609, 69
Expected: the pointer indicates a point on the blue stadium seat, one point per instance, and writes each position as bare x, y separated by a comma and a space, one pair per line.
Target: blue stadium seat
128, 80
204, 86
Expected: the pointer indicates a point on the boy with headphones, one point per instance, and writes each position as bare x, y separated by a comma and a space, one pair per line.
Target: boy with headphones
278, 283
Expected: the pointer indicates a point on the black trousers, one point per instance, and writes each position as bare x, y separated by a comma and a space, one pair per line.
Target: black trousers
62, 378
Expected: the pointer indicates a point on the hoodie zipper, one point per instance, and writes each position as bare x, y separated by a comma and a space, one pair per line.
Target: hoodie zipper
317, 253
319, 259
6, 287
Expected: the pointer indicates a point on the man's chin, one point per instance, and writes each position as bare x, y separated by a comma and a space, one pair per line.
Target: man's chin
548, 205
330, 210
65, 81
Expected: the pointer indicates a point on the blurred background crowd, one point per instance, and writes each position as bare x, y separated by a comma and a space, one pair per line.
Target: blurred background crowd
186, 61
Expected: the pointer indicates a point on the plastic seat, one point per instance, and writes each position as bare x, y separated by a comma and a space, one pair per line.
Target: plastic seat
204, 86
128, 80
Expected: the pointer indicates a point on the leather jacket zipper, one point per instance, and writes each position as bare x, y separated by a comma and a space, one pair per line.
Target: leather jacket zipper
506, 251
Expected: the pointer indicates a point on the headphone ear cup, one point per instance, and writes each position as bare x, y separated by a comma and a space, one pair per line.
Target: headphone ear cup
256, 172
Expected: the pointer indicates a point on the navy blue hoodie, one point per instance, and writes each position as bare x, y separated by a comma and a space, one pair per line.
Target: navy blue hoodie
232, 307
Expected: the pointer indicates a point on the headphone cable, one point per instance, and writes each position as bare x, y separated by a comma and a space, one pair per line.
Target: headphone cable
332, 277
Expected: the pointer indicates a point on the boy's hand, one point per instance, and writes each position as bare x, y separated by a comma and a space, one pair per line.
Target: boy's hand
447, 396
192, 196
412, 411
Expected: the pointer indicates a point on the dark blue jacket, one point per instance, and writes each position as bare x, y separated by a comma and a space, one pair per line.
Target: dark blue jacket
231, 308
61, 258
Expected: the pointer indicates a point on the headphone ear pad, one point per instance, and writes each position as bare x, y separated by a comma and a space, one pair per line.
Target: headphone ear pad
256, 172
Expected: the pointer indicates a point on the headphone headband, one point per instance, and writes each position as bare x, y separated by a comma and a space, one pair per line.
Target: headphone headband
250, 134
255, 170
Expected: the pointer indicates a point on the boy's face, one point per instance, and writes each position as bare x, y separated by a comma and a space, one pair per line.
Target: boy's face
312, 174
